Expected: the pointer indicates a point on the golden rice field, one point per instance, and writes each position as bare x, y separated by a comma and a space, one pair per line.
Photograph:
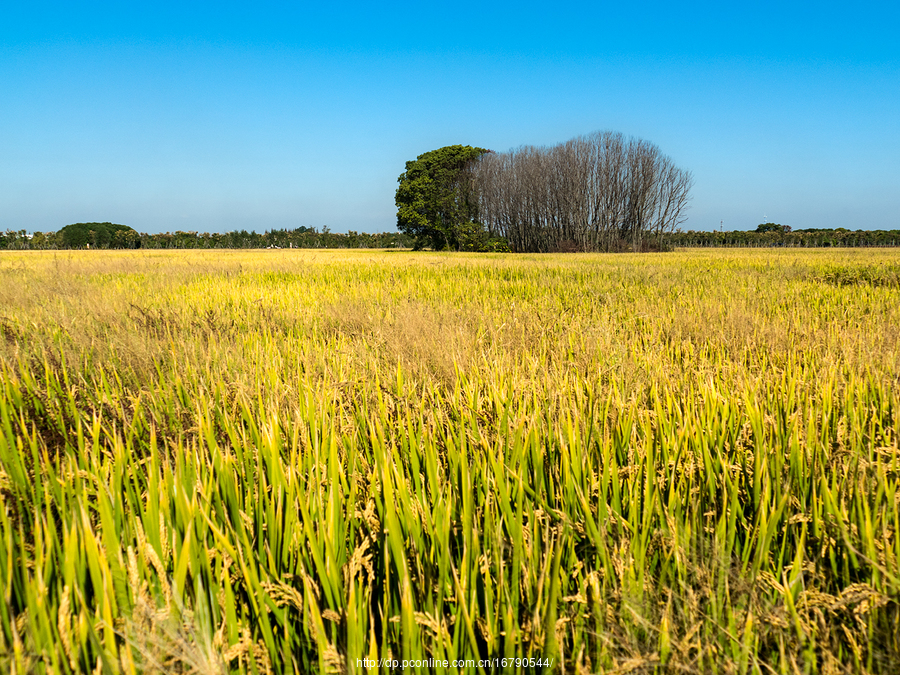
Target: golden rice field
310, 461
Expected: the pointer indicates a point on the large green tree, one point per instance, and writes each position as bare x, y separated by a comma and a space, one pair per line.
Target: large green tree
435, 201
99, 235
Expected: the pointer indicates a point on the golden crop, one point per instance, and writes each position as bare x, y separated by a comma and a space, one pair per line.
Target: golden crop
286, 461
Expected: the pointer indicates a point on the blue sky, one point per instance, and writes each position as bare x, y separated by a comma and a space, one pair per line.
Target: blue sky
222, 116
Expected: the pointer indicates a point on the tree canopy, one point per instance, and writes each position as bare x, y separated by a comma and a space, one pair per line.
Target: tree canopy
773, 227
435, 201
600, 192
99, 235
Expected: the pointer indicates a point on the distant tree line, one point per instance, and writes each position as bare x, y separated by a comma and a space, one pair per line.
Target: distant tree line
115, 236
807, 238
305, 237
302, 237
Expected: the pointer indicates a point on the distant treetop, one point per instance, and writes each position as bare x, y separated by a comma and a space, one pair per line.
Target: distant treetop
773, 227
99, 235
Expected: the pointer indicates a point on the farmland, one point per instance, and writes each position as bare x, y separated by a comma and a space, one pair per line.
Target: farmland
280, 461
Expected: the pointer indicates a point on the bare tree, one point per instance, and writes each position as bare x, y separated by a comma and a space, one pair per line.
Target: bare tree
598, 192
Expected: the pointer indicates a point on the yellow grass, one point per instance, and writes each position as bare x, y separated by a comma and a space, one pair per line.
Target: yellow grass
294, 460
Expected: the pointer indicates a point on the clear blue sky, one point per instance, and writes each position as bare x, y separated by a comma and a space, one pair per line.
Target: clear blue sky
222, 116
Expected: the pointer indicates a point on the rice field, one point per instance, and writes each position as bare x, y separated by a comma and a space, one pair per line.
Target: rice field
358, 461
